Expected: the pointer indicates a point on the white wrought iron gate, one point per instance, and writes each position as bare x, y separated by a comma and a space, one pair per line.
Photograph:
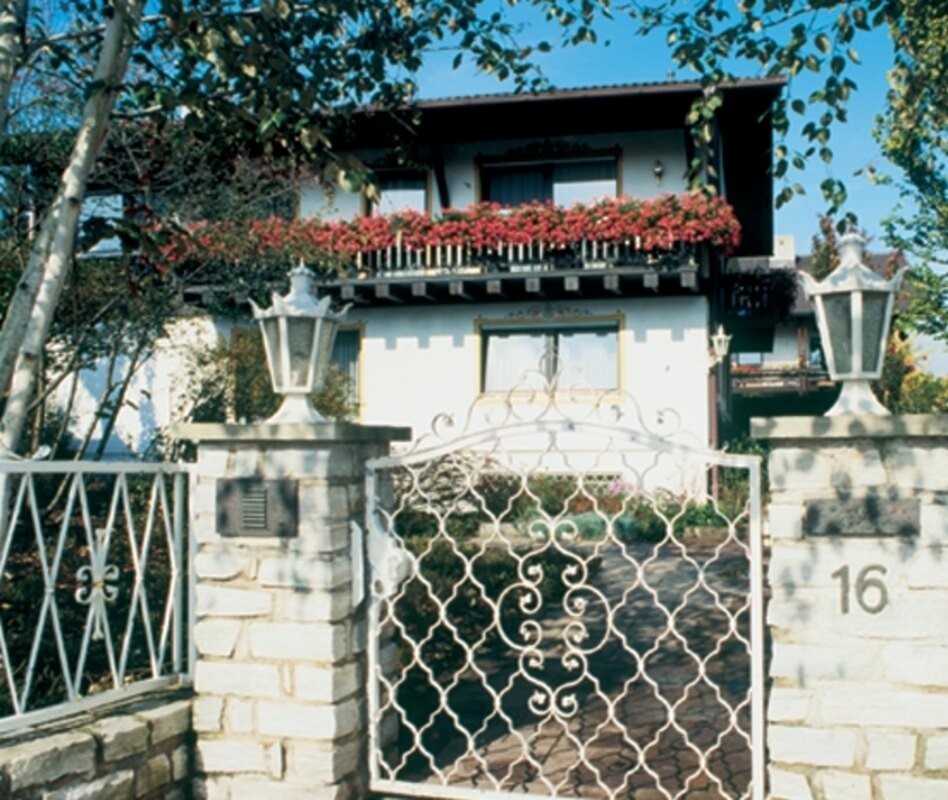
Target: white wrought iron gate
565, 607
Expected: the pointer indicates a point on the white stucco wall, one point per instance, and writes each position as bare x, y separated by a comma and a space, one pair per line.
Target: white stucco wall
418, 362
783, 353
421, 361
786, 350
639, 152
155, 394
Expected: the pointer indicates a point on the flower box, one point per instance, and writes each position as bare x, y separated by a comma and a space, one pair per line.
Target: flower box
613, 232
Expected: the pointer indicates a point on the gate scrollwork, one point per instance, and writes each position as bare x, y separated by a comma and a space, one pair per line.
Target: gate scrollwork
562, 608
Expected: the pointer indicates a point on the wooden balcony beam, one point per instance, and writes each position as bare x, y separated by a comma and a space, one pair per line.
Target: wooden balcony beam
611, 283
456, 289
420, 289
384, 292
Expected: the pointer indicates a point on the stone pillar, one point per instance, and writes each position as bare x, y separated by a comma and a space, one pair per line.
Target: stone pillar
858, 617
279, 706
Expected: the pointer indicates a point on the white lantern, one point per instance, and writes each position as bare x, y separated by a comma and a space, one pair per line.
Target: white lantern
720, 346
853, 312
298, 335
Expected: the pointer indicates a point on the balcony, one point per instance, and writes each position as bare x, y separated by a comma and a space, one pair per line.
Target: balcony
766, 380
759, 295
617, 246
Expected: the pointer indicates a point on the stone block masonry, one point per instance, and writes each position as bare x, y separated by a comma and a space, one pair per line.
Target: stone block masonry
279, 709
858, 708
136, 750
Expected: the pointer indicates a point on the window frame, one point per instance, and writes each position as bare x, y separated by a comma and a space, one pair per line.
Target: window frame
485, 164
371, 208
551, 327
357, 328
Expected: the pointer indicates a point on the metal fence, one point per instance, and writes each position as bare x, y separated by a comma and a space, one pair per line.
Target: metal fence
95, 590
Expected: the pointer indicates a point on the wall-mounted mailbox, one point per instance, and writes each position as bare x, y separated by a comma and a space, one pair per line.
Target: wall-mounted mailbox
868, 516
255, 507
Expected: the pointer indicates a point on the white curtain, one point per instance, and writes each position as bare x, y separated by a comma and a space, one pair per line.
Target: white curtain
588, 359
508, 356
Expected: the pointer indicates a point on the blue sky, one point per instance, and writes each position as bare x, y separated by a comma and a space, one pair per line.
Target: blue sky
622, 57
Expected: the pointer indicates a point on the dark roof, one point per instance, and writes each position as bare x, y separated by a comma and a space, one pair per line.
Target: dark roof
612, 91
557, 112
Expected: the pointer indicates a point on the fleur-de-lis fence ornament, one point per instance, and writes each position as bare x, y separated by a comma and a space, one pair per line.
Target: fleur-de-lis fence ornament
96, 583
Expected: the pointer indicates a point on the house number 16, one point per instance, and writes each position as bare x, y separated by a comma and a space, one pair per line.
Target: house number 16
869, 589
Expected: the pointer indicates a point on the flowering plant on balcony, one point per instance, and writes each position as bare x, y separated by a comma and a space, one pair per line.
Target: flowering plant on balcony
649, 225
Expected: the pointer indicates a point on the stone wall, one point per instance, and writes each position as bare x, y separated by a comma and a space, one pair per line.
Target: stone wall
279, 708
858, 616
140, 750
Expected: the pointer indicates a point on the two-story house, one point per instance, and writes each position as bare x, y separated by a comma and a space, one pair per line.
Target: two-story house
528, 266
434, 328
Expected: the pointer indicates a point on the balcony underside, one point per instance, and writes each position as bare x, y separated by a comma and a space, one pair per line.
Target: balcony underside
783, 382
477, 285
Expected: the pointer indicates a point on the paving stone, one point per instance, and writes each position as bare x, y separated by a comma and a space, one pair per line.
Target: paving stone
121, 737
45, 760
814, 746
888, 750
155, 774
116, 786
242, 679
173, 719
232, 755
911, 787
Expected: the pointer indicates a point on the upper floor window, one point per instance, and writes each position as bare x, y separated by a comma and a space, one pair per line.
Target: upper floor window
579, 355
562, 182
401, 190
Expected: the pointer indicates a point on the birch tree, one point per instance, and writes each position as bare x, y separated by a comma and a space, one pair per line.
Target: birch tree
719, 40
31, 310
271, 77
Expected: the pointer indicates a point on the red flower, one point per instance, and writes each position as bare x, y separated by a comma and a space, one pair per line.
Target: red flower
655, 224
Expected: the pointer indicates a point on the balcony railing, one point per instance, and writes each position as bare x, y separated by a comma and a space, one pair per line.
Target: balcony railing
523, 257
778, 379
94, 590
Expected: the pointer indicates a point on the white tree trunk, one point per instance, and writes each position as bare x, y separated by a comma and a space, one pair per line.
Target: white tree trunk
12, 21
55, 250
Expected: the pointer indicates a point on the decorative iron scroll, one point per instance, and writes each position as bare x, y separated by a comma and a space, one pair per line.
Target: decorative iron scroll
575, 611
